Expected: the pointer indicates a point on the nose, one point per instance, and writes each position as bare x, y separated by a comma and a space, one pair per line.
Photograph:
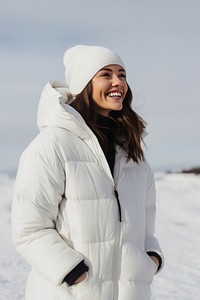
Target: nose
116, 81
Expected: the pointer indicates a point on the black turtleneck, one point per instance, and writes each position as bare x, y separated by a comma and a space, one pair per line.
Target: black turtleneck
106, 126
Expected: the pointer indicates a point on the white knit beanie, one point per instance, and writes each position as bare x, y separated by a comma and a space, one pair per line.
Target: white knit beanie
83, 62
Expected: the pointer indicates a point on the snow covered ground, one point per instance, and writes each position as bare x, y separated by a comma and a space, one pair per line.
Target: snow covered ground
178, 229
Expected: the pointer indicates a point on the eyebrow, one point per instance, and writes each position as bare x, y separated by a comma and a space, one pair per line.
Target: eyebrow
108, 69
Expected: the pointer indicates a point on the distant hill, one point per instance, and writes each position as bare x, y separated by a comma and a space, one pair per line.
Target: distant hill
194, 170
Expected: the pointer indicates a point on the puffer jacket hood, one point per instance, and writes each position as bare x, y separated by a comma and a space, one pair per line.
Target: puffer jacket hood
54, 110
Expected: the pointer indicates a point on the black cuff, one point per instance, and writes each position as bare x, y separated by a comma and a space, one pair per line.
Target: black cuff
71, 277
152, 253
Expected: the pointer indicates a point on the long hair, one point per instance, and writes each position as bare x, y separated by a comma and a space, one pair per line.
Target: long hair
128, 125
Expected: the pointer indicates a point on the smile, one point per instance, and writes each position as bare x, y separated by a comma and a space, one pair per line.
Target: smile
115, 94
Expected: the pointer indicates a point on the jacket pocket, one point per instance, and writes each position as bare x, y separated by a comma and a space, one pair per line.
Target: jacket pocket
136, 265
89, 289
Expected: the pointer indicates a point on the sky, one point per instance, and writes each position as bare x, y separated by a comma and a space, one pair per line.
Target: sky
159, 42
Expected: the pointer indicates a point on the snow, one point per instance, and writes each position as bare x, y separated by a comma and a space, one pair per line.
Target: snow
13, 269
177, 227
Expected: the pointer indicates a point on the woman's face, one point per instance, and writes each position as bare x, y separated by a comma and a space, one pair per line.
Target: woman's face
109, 88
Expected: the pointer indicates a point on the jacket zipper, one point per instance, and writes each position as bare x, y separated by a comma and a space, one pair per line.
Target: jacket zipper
115, 253
118, 220
117, 232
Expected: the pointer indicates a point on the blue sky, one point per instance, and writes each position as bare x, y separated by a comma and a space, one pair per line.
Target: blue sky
159, 42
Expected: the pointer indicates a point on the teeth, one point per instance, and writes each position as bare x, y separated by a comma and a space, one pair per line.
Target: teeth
115, 94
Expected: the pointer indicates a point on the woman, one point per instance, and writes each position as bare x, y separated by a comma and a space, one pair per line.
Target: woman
83, 212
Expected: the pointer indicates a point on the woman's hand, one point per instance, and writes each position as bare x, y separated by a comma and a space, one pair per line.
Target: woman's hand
156, 261
81, 278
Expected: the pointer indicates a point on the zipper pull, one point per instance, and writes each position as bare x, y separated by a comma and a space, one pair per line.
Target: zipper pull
118, 204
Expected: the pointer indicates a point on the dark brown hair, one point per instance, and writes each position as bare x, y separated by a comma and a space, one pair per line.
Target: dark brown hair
128, 128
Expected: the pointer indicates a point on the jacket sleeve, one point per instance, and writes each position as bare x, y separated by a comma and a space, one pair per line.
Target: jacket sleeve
151, 242
39, 189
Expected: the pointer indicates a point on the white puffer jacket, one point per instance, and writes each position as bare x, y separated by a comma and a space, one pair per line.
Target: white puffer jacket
65, 210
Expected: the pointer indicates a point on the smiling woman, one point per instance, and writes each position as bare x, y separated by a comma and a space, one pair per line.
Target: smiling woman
83, 212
